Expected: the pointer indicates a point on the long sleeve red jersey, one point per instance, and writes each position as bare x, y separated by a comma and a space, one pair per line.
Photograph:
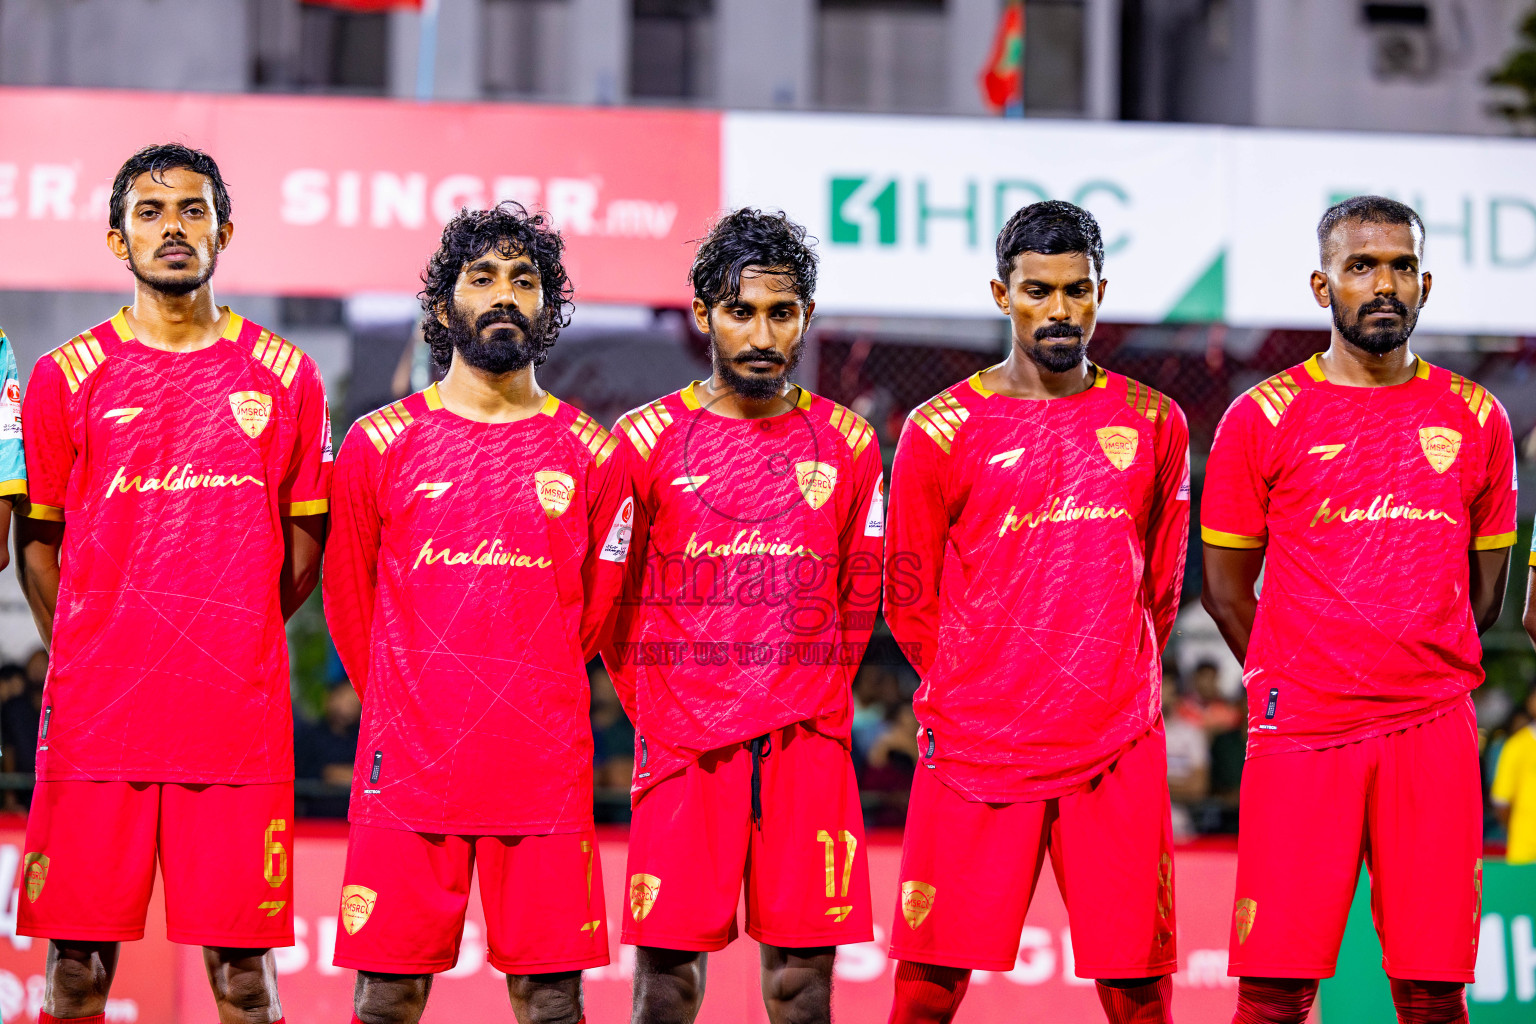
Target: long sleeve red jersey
757, 576
1035, 557
471, 570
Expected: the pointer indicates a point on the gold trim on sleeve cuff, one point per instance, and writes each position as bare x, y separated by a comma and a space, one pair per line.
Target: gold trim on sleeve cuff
1498, 540
1230, 540
307, 508
51, 513
10, 487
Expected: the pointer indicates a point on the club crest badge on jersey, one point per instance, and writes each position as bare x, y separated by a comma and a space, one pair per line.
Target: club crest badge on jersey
34, 868
815, 480
357, 902
1441, 446
252, 410
1246, 911
643, 890
1119, 444
916, 902
555, 490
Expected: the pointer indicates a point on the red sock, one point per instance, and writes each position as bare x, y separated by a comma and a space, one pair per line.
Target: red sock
1151, 1002
44, 1017
1429, 1002
1274, 1000
928, 994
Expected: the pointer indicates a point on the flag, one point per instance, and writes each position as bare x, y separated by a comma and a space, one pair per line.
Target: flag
1002, 80
368, 5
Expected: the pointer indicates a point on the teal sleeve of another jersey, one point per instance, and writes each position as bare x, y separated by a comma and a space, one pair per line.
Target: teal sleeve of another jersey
13, 460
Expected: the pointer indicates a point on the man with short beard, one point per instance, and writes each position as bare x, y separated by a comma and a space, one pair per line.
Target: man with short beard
759, 514
178, 464
1377, 494
1039, 520
480, 533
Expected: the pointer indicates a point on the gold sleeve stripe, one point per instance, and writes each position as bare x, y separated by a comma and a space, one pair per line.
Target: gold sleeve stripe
1498, 540
78, 358
277, 355
9, 487
1275, 395
851, 425
386, 424
1475, 395
52, 513
1145, 401
308, 508
1216, 538
644, 426
941, 418
591, 434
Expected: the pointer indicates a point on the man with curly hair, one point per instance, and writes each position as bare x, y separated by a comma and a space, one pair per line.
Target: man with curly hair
480, 533
760, 517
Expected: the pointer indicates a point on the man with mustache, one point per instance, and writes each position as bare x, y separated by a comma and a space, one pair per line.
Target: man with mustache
481, 529
1377, 494
759, 515
1039, 520
178, 461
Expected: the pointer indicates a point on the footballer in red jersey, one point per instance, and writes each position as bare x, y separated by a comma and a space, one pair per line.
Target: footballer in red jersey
759, 523
1039, 519
480, 529
179, 466
1377, 494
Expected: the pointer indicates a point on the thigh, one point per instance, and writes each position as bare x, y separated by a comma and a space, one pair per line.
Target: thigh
968, 872
808, 874
1301, 836
688, 854
227, 856
1426, 848
1112, 850
89, 863
543, 899
403, 899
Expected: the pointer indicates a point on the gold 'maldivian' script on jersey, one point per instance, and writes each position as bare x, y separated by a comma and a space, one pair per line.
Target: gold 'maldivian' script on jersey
747, 542
1381, 507
1068, 511
183, 478
487, 552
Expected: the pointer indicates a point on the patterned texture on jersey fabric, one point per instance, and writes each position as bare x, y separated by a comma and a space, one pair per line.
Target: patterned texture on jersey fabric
1366, 501
471, 571
171, 472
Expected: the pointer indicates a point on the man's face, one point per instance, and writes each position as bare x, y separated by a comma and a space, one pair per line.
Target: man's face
757, 339
497, 315
1372, 284
1053, 302
171, 235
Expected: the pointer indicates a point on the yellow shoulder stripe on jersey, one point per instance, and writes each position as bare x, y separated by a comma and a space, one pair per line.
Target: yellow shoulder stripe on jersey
386, 424
275, 354
1493, 543
590, 433
1145, 401
78, 358
1475, 395
941, 418
1275, 395
1217, 538
644, 426
854, 429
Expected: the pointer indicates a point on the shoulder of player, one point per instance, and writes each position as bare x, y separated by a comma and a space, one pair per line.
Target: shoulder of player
85, 353
942, 416
1269, 399
1143, 401
837, 420
279, 357
581, 430
384, 426
644, 426
1463, 392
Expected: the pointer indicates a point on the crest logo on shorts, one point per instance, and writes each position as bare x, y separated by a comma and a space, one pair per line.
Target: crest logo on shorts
555, 490
643, 890
1247, 910
1441, 446
916, 902
34, 868
357, 902
815, 480
252, 410
1119, 444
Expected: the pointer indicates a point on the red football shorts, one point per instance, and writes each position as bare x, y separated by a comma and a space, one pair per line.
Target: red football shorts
405, 893
968, 871
693, 841
225, 853
1410, 804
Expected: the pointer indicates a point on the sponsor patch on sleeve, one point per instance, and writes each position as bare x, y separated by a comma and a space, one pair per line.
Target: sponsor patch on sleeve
1183, 494
325, 448
874, 523
10, 410
616, 547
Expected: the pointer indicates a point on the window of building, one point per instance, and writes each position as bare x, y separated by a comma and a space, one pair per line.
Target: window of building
298, 47
671, 53
883, 55
523, 46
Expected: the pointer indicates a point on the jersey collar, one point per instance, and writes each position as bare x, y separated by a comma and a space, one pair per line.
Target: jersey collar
1100, 379
1315, 369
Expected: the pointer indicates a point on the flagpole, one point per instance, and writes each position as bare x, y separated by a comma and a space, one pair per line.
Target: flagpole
1016, 107
426, 50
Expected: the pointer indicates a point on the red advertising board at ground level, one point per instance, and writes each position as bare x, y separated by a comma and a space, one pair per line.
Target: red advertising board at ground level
159, 983
340, 196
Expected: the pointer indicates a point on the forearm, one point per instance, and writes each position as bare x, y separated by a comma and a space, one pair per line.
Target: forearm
1489, 578
1530, 605
304, 540
1228, 593
37, 571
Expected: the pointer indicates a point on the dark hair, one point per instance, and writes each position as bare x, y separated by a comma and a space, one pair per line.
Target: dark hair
1049, 228
751, 238
1370, 210
155, 161
507, 228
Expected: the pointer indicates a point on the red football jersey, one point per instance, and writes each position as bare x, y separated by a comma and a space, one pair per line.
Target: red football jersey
756, 577
1366, 501
470, 572
171, 472
1033, 571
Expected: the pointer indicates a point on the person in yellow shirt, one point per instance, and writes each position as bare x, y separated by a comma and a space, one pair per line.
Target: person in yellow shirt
1514, 789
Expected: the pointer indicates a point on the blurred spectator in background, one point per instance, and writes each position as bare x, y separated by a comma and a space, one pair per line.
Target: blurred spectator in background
325, 750
876, 691
1189, 752
19, 716
613, 745
13, 681
890, 765
1514, 784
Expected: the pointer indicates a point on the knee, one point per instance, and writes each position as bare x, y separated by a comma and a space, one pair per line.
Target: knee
1429, 1002
547, 1001
243, 980
668, 986
76, 987
390, 999
1274, 1000
801, 993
